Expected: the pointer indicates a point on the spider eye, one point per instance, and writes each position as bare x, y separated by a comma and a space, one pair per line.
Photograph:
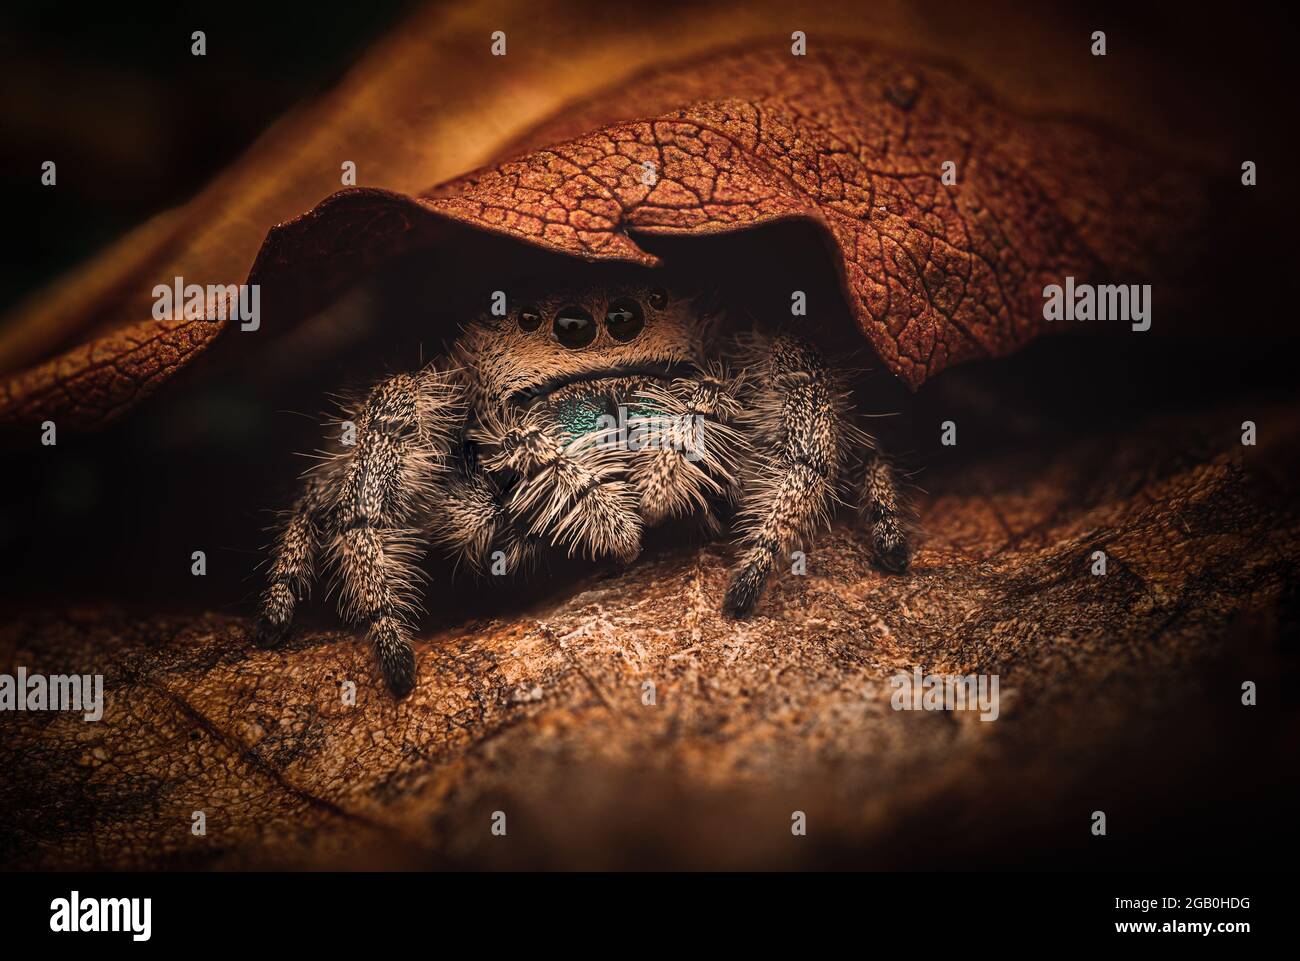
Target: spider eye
530, 318
624, 319
658, 298
574, 327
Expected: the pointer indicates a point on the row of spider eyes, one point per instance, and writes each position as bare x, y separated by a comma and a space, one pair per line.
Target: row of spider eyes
575, 328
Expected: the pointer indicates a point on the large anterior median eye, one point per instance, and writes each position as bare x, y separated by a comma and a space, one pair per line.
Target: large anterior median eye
624, 319
574, 327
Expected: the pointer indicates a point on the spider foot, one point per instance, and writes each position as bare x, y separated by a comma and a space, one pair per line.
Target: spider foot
895, 557
269, 634
395, 654
744, 591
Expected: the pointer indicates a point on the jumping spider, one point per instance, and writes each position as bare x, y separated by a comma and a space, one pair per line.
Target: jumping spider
504, 449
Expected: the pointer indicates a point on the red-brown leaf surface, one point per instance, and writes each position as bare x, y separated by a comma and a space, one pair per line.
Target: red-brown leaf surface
854, 140
850, 137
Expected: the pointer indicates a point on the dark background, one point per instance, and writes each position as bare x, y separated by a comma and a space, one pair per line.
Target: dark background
136, 123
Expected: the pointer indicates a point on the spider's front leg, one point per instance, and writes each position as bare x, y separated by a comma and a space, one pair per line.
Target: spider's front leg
571, 492
365, 506
470, 518
695, 452
797, 419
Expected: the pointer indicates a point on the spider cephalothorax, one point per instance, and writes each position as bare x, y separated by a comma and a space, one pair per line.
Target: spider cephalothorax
572, 422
